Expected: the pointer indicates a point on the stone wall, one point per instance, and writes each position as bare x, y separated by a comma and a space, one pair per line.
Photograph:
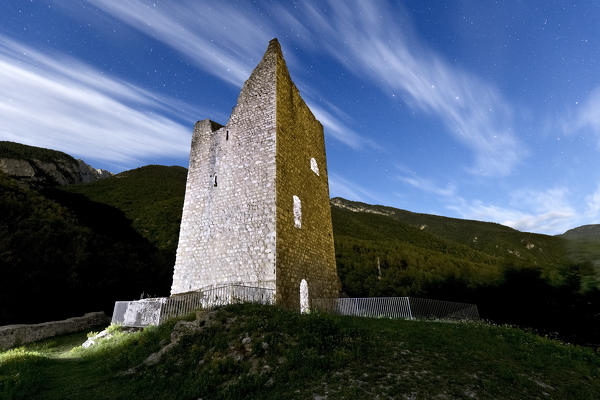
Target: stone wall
256, 209
227, 233
15, 335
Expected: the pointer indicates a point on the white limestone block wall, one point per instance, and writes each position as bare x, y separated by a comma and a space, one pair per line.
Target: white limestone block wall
227, 233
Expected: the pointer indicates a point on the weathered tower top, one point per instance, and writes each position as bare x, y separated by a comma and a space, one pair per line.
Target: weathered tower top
256, 209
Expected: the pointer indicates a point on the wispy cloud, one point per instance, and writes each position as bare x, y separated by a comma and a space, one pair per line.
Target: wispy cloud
339, 130
225, 40
593, 207
428, 186
221, 38
549, 211
552, 222
365, 38
409, 177
586, 117
342, 187
51, 100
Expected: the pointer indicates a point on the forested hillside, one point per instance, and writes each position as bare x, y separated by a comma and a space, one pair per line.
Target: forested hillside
116, 238
435, 248
381, 251
583, 245
151, 197
63, 255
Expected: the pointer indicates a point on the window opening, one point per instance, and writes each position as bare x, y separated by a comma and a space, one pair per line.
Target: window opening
314, 166
297, 212
304, 306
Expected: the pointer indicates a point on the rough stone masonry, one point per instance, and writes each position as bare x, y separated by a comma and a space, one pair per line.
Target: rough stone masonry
256, 209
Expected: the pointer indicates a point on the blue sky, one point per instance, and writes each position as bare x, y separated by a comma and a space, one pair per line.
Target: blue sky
471, 109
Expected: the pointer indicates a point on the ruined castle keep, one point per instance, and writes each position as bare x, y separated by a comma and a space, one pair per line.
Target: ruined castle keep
256, 208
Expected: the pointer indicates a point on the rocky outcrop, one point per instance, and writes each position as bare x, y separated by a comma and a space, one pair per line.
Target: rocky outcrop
91, 174
91, 341
42, 167
356, 207
42, 173
16, 168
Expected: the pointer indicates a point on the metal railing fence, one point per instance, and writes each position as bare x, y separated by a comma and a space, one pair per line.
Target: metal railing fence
398, 307
209, 298
140, 313
438, 309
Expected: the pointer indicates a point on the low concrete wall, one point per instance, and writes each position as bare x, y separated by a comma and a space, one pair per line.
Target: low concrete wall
13, 335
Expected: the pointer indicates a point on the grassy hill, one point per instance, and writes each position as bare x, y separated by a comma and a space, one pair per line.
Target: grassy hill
78, 254
498, 241
446, 248
263, 352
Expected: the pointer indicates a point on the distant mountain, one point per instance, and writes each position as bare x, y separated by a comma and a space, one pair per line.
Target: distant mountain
584, 232
41, 167
515, 277
383, 251
494, 240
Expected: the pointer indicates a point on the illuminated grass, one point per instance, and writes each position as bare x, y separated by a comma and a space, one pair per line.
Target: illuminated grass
289, 355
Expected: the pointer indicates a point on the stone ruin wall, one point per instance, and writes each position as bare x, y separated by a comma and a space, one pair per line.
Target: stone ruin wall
17, 335
228, 231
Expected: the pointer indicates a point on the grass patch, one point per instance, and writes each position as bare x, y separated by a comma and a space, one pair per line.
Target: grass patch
263, 352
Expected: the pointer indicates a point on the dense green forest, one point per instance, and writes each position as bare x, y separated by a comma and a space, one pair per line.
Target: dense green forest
63, 255
80, 247
538, 286
151, 197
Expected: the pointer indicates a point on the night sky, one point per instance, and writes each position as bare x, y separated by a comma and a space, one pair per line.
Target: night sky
470, 109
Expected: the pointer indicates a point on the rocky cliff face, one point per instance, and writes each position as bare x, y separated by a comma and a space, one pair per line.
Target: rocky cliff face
42, 167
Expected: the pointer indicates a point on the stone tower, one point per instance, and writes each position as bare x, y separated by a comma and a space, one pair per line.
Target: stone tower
256, 208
